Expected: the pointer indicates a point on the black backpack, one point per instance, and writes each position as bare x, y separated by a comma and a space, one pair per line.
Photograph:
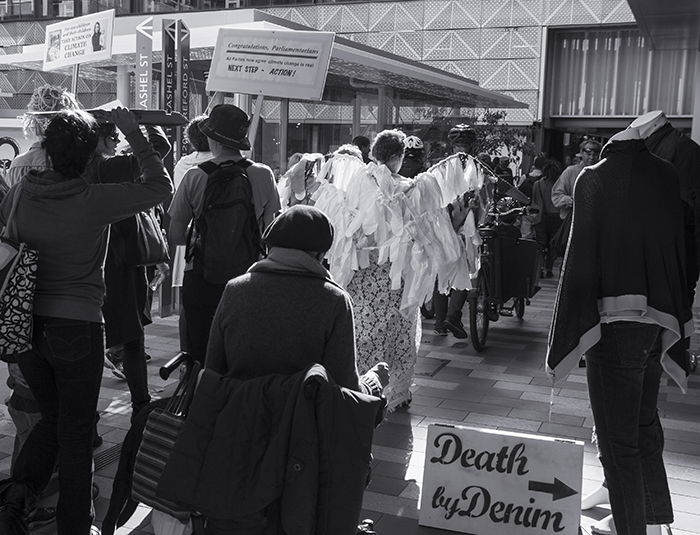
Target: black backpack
224, 241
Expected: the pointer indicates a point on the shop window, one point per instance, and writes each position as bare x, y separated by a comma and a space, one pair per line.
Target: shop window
614, 73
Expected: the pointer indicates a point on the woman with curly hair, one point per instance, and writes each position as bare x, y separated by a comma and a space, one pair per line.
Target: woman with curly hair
43, 99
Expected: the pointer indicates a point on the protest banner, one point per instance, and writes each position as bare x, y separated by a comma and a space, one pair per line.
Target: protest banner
79, 40
491, 482
271, 63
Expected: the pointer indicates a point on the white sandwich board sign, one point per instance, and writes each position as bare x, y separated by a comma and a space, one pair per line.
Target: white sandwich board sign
490, 482
79, 40
271, 63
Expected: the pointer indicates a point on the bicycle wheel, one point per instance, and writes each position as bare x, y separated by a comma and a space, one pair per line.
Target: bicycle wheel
478, 319
519, 306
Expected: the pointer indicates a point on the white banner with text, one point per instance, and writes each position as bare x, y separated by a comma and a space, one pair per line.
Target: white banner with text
272, 63
79, 40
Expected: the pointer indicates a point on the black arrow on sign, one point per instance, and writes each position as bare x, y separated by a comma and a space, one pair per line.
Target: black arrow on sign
558, 490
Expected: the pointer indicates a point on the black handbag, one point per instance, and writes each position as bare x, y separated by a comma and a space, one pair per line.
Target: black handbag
159, 437
560, 240
151, 247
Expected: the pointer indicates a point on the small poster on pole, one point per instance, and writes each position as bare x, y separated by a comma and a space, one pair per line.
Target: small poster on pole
79, 40
271, 63
491, 482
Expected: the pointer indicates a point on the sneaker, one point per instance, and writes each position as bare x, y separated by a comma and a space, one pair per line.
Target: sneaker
366, 527
440, 330
41, 516
94, 530
115, 365
456, 328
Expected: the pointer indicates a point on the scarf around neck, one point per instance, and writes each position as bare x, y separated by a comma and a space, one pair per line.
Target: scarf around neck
291, 261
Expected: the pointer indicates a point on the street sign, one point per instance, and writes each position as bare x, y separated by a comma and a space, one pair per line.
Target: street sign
183, 81
272, 63
143, 73
490, 482
168, 85
79, 40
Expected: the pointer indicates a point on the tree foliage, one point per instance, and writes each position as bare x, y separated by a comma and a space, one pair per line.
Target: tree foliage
494, 135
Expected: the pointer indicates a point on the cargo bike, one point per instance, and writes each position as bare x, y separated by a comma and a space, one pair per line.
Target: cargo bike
510, 267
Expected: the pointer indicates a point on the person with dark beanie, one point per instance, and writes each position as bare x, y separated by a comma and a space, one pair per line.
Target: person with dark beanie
274, 323
66, 220
623, 302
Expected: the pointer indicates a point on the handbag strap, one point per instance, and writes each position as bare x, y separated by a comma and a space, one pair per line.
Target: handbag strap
13, 209
184, 393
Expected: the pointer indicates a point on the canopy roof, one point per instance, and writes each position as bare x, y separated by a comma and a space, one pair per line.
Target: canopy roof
352, 66
669, 25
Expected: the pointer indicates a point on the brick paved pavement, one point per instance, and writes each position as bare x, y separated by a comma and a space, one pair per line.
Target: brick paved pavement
504, 387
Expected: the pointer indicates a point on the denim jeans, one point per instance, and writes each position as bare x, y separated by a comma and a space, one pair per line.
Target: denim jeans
136, 372
200, 299
624, 371
64, 371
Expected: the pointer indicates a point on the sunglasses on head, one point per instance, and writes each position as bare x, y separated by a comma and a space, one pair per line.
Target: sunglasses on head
589, 151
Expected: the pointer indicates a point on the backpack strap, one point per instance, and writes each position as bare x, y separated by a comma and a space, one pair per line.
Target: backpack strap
209, 166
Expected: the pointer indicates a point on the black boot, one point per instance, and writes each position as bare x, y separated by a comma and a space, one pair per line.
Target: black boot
16, 500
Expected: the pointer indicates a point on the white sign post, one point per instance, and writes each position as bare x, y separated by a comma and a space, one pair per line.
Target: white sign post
80, 40
272, 63
489, 482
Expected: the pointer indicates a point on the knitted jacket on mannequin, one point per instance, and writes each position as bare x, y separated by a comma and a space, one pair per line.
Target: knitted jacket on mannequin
625, 260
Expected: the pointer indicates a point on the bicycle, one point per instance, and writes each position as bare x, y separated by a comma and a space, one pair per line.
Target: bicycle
509, 272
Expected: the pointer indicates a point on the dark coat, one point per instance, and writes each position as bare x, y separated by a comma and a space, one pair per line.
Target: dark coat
298, 442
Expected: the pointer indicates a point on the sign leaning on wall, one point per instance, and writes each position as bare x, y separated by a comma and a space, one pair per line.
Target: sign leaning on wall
490, 482
79, 40
272, 63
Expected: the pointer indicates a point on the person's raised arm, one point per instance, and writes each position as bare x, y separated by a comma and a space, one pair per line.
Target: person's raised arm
117, 201
159, 140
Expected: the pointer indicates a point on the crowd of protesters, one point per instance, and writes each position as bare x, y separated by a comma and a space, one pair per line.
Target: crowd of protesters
308, 286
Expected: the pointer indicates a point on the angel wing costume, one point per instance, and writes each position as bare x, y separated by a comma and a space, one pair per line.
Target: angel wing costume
393, 242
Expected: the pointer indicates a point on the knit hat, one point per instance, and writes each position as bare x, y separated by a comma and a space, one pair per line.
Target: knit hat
301, 227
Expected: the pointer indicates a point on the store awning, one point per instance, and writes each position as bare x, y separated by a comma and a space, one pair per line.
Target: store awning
352, 66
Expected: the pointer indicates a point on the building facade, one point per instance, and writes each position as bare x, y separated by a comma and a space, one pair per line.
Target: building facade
582, 66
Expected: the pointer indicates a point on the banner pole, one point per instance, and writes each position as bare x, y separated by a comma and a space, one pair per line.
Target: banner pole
253, 130
214, 100
74, 80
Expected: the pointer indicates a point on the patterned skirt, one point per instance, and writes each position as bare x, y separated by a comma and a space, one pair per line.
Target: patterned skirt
382, 332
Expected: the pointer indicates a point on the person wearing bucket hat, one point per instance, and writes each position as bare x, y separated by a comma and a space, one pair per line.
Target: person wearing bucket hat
287, 312
226, 129
228, 125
